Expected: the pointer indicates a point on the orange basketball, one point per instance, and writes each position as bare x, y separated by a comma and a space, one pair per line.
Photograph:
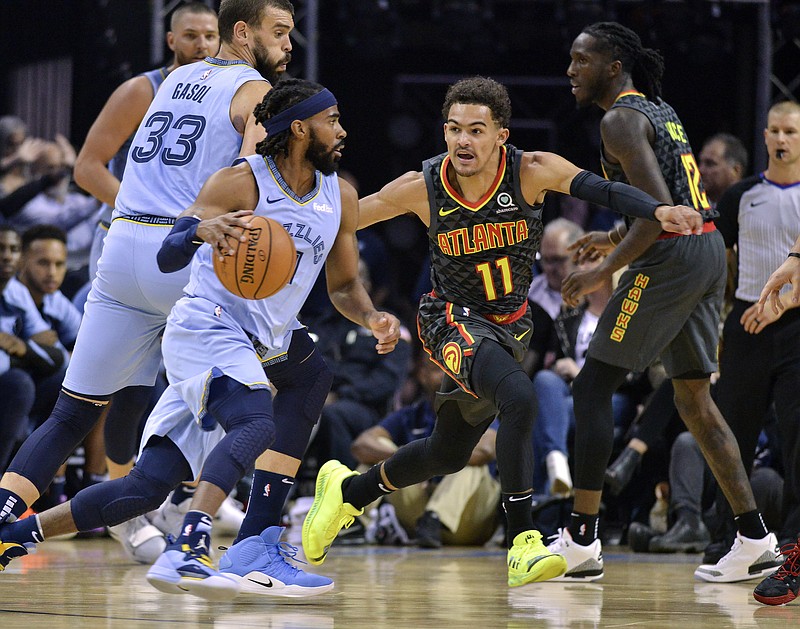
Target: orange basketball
261, 265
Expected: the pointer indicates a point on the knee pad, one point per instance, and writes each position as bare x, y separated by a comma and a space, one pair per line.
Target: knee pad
117, 501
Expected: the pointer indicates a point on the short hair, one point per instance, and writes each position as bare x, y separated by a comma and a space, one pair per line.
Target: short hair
479, 90
735, 152
785, 107
7, 228
561, 224
286, 93
644, 65
249, 11
9, 125
42, 232
190, 7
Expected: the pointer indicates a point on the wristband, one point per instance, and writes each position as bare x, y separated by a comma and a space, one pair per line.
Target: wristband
793, 254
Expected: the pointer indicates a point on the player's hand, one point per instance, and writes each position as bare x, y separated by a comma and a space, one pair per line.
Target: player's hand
591, 247
679, 219
221, 232
580, 283
786, 273
386, 328
754, 321
12, 345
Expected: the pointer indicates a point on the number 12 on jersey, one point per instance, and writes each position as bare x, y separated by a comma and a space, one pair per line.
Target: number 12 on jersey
484, 269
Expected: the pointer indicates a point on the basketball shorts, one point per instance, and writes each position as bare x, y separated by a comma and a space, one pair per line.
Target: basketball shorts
119, 342
451, 334
666, 304
203, 342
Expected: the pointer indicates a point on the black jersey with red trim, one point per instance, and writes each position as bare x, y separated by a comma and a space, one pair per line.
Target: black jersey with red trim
482, 253
672, 150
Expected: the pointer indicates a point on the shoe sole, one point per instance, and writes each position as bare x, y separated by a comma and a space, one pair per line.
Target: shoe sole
727, 579
257, 587
547, 570
775, 600
215, 588
581, 577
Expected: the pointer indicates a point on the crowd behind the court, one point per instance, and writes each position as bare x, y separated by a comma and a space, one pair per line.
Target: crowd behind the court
378, 403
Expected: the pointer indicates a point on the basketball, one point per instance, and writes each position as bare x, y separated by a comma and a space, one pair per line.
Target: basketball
261, 265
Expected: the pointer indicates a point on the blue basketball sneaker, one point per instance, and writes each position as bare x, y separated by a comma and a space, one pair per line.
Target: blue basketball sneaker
260, 565
186, 567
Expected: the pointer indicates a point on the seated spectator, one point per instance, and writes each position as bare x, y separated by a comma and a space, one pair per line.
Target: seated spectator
17, 153
692, 489
58, 205
458, 509
29, 349
569, 341
42, 269
364, 384
544, 296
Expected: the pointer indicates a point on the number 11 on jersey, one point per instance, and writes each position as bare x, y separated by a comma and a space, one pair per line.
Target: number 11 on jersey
484, 269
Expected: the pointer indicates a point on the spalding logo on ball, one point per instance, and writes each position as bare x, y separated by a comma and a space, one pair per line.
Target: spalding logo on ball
261, 265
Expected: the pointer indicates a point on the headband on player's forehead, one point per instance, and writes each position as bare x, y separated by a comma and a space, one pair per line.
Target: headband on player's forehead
300, 111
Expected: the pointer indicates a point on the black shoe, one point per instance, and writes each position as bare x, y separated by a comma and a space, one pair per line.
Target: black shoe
783, 586
687, 535
639, 536
429, 531
621, 471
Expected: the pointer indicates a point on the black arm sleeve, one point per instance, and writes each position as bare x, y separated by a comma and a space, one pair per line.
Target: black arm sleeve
14, 202
618, 196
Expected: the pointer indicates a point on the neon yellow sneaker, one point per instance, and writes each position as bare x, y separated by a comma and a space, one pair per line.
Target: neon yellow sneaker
329, 513
530, 561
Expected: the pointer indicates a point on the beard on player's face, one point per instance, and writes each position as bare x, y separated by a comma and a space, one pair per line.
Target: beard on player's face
321, 157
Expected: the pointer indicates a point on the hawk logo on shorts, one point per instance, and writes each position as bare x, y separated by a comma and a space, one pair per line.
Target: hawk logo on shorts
452, 357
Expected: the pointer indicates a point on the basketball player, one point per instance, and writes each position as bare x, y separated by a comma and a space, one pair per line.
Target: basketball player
200, 120
192, 37
482, 204
666, 304
220, 381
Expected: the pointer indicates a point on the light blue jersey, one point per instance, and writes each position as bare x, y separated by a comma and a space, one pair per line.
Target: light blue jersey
185, 136
117, 168
211, 332
312, 221
183, 139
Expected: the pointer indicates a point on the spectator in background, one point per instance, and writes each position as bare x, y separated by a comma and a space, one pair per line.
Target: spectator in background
573, 329
42, 270
457, 509
722, 162
544, 296
17, 153
28, 347
60, 206
364, 383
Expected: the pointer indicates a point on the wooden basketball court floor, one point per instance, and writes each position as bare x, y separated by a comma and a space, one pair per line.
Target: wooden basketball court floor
89, 584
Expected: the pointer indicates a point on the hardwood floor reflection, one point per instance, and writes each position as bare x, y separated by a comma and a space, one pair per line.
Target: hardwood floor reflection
89, 584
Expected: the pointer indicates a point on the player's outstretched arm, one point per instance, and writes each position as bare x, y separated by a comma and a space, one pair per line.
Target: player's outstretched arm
407, 194
217, 217
345, 289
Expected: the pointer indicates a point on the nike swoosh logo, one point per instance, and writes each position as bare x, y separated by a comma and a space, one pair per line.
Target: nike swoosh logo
754, 204
36, 537
271, 201
443, 212
518, 498
287, 481
519, 337
268, 584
